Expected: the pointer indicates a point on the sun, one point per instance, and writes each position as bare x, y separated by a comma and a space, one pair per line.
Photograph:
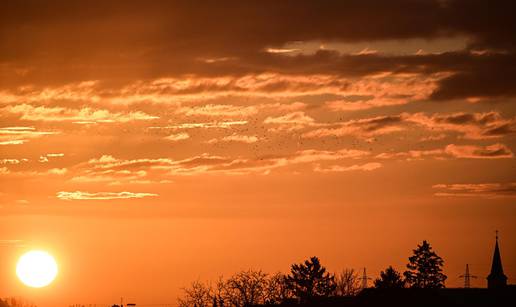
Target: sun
36, 269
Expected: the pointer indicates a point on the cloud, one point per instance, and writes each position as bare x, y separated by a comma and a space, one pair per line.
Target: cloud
77, 91
177, 136
12, 161
283, 99
262, 65
165, 167
111, 169
490, 75
13, 142
313, 155
281, 50
248, 139
88, 115
413, 154
23, 131
108, 161
364, 128
436, 137
284, 107
212, 110
471, 125
495, 151
355, 103
252, 85
26, 39
32, 173
208, 125
484, 190
384, 88
356, 167
113, 177
20, 135
57, 171
290, 122
79, 195
54, 155
296, 118
114, 171
43, 159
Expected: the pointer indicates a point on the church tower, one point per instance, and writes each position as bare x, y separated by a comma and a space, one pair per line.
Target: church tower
496, 278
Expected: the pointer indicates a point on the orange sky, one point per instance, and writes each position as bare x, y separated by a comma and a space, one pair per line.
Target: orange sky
150, 145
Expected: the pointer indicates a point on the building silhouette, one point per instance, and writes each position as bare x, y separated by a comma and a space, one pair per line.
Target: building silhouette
496, 278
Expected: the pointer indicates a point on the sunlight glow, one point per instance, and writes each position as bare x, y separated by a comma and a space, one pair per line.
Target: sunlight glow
36, 269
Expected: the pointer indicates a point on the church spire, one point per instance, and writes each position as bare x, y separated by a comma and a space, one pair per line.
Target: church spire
496, 278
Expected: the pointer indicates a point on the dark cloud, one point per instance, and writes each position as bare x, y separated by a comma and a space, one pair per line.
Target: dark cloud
470, 125
473, 125
381, 122
490, 23
481, 119
486, 76
65, 41
504, 129
207, 27
248, 26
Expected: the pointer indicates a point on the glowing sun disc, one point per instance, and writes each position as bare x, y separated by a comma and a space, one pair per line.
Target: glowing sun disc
36, 269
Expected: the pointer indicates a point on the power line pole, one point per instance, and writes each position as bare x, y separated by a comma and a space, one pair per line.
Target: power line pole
467, 277
364, 279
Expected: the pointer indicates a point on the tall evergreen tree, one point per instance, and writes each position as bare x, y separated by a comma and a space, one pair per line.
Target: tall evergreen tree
309, 280
425, 268
389, 279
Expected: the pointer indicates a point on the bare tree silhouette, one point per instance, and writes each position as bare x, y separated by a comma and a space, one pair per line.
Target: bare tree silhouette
199, 294
277, 289
245, 288
347, 283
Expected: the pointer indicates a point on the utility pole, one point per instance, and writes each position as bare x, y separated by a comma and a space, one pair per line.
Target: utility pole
467, 277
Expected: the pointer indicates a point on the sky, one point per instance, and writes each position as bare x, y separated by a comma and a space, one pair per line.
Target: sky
148, 144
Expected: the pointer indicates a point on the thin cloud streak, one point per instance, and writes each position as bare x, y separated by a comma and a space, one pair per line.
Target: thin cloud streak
452, 151
355, 167
79, 195
21, 135
469, 125
483, 190
84, 115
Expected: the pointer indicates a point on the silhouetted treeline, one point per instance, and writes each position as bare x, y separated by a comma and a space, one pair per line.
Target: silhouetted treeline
309, 282
416, 297
15, 302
